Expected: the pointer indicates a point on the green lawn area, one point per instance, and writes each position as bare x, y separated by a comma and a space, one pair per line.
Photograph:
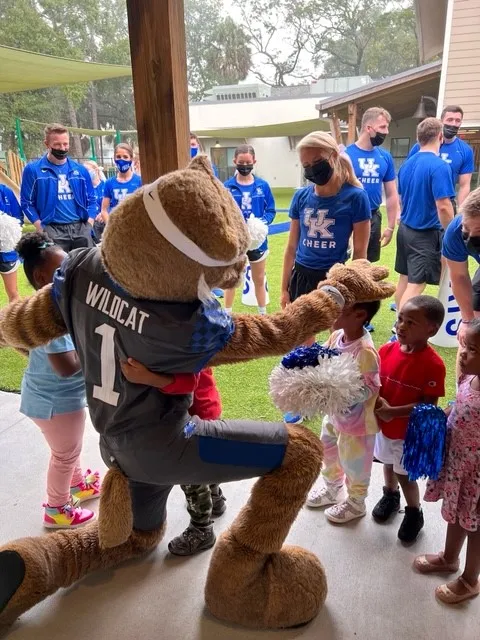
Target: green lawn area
244, 387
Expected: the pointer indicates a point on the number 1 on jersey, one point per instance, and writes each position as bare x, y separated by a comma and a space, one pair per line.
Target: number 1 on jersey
105, 392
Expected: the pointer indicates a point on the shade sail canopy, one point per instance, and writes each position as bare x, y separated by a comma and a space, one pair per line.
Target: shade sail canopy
281, 129
24, 70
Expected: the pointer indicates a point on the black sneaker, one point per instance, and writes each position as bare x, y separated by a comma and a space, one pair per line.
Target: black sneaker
192, 540
390, 503
218, 504
411, 525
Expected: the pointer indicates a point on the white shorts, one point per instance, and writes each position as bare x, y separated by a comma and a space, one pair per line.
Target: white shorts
390, 452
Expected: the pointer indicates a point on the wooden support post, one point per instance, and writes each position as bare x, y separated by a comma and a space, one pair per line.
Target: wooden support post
352, 122
335, 128
159, 68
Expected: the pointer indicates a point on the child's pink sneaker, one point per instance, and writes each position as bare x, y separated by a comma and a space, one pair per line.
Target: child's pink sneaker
88, 489
66, 517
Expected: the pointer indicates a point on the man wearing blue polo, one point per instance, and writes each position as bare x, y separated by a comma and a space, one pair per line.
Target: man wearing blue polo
57, 194
455, 152
374, 167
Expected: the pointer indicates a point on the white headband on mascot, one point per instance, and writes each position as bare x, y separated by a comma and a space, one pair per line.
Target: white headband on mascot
172, 233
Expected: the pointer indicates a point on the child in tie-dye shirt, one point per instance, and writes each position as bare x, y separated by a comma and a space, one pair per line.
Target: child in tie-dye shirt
349, 439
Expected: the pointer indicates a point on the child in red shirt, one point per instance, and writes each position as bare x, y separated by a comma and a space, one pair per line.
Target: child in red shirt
203, 500
411, 372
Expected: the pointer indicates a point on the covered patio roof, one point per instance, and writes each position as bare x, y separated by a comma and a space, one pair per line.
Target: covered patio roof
281, 129
398, 94
24, 70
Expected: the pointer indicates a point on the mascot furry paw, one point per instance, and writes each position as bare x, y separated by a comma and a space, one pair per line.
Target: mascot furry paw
146, 294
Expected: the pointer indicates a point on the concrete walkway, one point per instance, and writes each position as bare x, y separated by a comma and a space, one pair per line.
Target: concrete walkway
373, 592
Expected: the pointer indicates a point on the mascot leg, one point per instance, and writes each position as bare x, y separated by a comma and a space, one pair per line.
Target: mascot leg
33, 568
252, 580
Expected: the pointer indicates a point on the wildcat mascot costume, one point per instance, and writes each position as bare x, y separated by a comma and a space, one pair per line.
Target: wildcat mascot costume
145, 294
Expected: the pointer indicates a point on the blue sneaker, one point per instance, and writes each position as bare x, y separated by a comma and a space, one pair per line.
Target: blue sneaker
218, 293
370, 328
393, 307
290, 418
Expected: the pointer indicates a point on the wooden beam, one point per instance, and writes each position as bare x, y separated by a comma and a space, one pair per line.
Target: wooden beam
352, 123
159, 69
335, 128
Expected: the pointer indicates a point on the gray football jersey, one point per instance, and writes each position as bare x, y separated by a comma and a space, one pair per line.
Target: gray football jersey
107, 325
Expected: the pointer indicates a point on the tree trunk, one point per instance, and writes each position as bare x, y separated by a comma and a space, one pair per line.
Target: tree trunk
76, 149
93, 93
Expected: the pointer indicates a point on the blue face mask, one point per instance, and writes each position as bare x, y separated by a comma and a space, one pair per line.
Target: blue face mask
123, 165
193, 151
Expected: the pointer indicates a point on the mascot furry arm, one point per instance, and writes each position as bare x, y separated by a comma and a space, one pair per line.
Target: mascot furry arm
164, 249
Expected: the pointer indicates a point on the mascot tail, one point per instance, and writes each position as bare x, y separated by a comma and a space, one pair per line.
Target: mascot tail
115, 521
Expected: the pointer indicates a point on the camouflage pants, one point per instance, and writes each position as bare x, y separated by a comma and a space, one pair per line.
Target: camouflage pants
199, 502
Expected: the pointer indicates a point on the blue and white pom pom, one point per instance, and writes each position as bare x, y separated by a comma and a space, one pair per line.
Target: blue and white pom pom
258, 231
424, 446
10, 233
314, 381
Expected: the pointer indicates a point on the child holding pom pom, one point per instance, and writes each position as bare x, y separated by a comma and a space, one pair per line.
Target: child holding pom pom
254, 198
411, 373
349, 439
459, 481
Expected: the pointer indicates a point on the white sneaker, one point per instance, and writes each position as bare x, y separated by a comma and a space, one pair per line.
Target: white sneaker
346, 511
322, 497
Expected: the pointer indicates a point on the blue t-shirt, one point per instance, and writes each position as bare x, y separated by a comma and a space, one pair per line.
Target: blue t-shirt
453, 247
326, 224
44, 393
99, 191
458, 154
372, 168
254, 199
118, 191
423, 179
66, 208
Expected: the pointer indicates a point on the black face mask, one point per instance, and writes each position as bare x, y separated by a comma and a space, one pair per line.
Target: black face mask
59, 154
378, 139
244, 169
472, 243
449, 131
319, 173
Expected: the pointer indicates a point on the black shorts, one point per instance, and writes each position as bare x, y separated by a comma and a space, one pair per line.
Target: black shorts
72, 235
373, 250
256, 255
9, 267
476, 290
419, 254
304, 280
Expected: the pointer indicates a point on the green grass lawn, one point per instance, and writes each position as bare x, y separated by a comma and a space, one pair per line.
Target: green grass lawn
244, 387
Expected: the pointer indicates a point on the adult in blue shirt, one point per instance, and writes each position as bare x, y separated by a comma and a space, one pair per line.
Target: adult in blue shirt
374, 167
98, 181
9, 259
457, 153
57, 193
123, 183
426, 188
324, 216
254, 197
462, 241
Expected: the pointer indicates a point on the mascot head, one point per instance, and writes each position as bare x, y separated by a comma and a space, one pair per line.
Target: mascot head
192, 236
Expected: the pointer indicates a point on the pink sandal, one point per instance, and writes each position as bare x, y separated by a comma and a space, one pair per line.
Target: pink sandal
424, 565
445, 594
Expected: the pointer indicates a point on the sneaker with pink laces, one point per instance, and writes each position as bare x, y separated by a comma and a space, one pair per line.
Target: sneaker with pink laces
88, 489
66, 517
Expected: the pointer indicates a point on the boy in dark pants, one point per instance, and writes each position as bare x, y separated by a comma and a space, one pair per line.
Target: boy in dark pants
203, 500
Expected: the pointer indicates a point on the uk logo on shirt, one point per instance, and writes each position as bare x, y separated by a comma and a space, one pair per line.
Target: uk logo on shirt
64, 189
369, 169
246, 201
446, 158
319, 235
120, 194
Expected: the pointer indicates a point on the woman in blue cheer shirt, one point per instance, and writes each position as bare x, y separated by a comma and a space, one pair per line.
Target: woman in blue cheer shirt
98, 182
125, 182
324, 216
254, 197
9, 259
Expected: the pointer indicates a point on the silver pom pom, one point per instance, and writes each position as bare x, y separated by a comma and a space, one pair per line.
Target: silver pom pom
10, 232
258, 231
330, 388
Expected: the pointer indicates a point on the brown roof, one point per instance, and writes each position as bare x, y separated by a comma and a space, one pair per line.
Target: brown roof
398, 94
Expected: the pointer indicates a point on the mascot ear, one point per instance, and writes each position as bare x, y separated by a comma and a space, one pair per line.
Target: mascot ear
202, 163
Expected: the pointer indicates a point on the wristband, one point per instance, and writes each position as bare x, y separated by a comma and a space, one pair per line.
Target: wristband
390, 229
466, 321
335, 293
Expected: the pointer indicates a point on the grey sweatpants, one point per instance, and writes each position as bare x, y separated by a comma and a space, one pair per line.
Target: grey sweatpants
73, 235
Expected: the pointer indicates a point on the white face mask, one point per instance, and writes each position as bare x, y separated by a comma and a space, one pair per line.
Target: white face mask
93, 174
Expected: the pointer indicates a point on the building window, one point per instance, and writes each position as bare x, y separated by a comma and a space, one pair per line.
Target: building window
254, 95
399, 148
